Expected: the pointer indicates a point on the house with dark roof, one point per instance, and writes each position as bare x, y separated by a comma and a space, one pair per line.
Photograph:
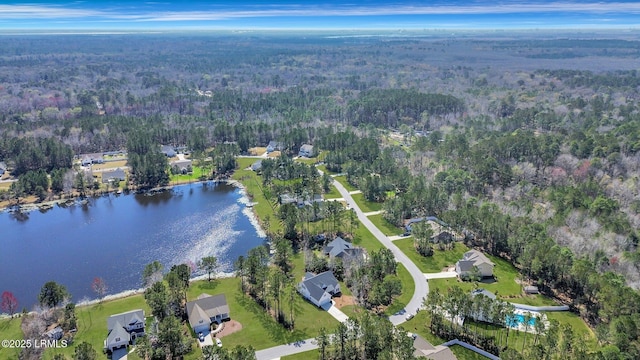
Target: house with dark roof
168, 150
319, 289
256, 166
306, 150
205, 310
273, 146
181, 166
340, 248
115, 176
123, 329
474, 259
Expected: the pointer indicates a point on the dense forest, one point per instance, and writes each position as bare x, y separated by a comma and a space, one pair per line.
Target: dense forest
530, 146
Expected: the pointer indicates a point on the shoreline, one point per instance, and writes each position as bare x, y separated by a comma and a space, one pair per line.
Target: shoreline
243, 200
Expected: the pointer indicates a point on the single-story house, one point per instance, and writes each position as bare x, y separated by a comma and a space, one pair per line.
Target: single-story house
88, 159
306, 150
340, 248
424, 349
116, 175
530, 289
55, 333
256, 166
474, 259
273, 146
181, 166
168, 150
319, 289
124, 328
207, 309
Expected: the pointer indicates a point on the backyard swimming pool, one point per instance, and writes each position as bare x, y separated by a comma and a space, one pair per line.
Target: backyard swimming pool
516, 320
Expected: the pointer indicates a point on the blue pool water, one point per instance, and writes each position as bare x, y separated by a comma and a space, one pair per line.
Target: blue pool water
517, 319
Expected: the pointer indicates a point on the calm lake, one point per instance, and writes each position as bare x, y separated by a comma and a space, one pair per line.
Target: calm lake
115, 237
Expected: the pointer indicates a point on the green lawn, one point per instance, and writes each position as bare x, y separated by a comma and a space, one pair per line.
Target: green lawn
435, 263
343, 180
365, 239
313, 354
366, 206
408, 286
10, 330
580, 328
257, 325
466, 354
194, 176
92, 323
324, 169
333, 193
386, 227
309, 161
253, 183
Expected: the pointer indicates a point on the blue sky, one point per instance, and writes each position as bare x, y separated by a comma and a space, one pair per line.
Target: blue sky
288, 14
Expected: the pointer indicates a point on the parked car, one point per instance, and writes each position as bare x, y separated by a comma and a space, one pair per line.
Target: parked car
218, 342
409, 316
201, 337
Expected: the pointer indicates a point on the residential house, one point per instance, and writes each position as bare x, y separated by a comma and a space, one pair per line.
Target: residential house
181, 166
306, 150
205, 310
273, 146
124, 328
115, 176
424, 349
340, 248
168, 150
474, 259
287, 199
88, 159
55, 333
256, 166
319, 289
443, 237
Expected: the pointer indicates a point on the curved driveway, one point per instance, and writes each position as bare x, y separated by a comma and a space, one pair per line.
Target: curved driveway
420, 291
421, 288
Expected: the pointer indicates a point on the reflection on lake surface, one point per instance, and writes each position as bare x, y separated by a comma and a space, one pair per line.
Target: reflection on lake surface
114, 237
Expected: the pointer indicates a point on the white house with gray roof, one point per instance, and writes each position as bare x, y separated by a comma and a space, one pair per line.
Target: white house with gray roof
474, 259
123, 328
319, 289
205, 310
306, 150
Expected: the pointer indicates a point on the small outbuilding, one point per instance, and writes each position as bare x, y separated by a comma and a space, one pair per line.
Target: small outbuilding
531, 290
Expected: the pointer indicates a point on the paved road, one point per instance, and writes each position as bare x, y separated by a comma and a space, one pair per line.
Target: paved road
421, 287
288, 349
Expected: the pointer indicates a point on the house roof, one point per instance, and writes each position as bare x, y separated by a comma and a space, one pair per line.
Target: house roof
211, 306
113, 174
256, 165
117, 332
337, 246
484, 292
319, 284
306, 147
198, 317
424, 349
476, 258
125, 318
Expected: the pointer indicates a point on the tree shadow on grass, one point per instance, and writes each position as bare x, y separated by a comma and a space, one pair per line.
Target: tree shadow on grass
276, 331
208, 285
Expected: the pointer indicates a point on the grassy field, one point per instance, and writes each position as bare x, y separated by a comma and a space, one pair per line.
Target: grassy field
580, 328
194, 176
435, 263
109, 165
10, 330
253, 183
313, 354
324, 169
365, 239
333, 193
92, 323
386, 227
366, 206
408, 286
257, 325
343, 180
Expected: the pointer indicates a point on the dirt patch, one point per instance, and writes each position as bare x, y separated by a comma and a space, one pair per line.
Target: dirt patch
344, 300
230, 327
257, 151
